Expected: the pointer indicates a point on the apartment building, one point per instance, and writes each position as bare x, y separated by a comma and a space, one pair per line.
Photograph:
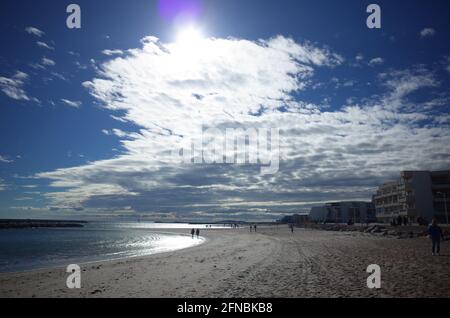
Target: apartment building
342, 212
424, 194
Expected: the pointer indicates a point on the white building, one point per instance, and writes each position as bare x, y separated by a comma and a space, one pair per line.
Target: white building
424, 194
342, 212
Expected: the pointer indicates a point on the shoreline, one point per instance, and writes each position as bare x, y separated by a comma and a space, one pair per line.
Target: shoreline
80, 262
270, 263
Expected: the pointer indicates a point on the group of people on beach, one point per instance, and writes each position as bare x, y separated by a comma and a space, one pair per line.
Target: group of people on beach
399, 221
435, 232
195, 232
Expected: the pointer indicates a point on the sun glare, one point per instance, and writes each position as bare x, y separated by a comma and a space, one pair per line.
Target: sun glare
189, 36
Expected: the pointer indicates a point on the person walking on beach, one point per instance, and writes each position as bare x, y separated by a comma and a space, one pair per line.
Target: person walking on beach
435, 233
255, 227
251, 227
192, 233
197, 233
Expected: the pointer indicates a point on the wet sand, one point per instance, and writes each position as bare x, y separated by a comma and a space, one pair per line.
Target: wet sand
271, 263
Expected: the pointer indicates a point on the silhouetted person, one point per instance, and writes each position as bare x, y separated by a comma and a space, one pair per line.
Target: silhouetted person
197, 233
399, 220
405, 221
255, 227
435, 233
251, 227
192, 233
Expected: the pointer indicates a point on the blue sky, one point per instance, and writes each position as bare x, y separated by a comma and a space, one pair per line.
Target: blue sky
88, 117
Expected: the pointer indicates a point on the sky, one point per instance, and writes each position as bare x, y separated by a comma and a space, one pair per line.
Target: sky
92, 119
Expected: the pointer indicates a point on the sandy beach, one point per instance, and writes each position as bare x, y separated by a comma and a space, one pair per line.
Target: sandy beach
271, 263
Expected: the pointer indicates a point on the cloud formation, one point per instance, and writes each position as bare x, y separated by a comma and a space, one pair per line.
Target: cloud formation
48, 62
112, 52
45, 45
35, 31
13, 87
5, 160
71, 103
376, 61
427, 32
170, 91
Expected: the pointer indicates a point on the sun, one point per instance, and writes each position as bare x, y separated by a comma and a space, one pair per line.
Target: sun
189, 36
190, 46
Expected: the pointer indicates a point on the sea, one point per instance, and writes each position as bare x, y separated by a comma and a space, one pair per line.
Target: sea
30, 249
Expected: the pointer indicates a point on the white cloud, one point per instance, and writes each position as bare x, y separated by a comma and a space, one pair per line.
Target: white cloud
5, 160
80, 66
48, 62
427, 32
403, 83
35, 31
38, 66
376, 61
29, 186
338, 83
112, 52
73, 53
45, 62
59, 76
13, 87
358, 60
2, 185
45, 45
21, 75
75, 104
23, 198
169, 91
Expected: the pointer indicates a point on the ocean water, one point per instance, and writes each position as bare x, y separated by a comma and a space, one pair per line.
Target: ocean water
27, 249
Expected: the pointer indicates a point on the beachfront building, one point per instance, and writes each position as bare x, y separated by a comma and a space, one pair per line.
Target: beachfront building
343, 212
417, 194
300, 218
